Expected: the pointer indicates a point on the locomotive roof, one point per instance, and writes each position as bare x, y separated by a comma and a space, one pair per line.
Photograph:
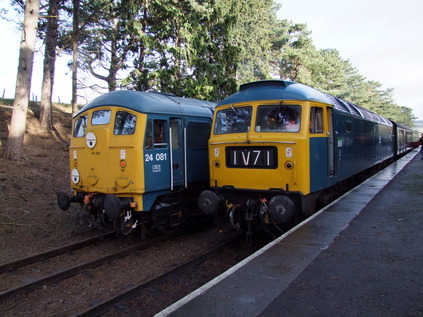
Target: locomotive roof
289, 90
152, 102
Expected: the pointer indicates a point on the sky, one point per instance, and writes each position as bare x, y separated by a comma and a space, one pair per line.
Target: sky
383, 39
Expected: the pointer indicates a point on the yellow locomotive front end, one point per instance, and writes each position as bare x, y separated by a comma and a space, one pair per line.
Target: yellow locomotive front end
259, 164
259, 155
260, 146
103, 153
106, 175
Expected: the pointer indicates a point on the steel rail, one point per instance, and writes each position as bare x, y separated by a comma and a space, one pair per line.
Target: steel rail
13, 265
133, 291
25, 288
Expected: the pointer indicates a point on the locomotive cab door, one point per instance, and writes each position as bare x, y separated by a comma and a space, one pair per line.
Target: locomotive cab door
176, 153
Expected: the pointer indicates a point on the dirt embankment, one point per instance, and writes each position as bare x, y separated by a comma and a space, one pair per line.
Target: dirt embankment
30, 220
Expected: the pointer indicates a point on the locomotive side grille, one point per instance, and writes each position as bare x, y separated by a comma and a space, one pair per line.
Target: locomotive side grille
264, 157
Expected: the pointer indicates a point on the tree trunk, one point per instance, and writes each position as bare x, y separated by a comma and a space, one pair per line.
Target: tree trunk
49, 66
114, 59
15, 140
75, 56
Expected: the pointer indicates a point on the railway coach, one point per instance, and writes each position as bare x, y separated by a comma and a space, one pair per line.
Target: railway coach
279, 147
134, 156
405, 138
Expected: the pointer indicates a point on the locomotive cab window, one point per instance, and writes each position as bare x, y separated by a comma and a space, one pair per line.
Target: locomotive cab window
80, 127
233, 120
278, 118
316, 120
101, 117
124, 123
155, 134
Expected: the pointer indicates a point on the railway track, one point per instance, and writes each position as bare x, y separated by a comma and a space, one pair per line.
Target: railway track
104, 306
93, 287
10, 266
70, 271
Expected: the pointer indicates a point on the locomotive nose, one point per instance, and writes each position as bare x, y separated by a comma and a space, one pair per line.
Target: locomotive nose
208, 202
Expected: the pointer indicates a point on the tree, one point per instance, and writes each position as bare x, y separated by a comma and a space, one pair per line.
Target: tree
205, 49
201, 49
104, 40
15, 139
251, 32
212, 56
294, 56
405, 116
195, 56
75, 34
49, 65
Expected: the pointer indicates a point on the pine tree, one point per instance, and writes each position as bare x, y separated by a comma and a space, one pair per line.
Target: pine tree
15, 139
49, 65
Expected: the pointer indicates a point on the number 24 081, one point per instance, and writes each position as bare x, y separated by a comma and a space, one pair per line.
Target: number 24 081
158, 156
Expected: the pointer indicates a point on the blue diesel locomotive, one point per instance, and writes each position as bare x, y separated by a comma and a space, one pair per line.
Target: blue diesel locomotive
135, 156
278, 147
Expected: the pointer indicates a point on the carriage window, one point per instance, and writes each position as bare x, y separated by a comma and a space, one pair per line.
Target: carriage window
124, 123
348, 126
278, 118
155, 134
198, 134
316, 120
80, 127
233, 120
101, 117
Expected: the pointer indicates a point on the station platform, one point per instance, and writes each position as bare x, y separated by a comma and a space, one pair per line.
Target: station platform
362, 255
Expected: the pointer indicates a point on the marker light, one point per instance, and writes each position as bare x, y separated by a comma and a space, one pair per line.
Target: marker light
75, 176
